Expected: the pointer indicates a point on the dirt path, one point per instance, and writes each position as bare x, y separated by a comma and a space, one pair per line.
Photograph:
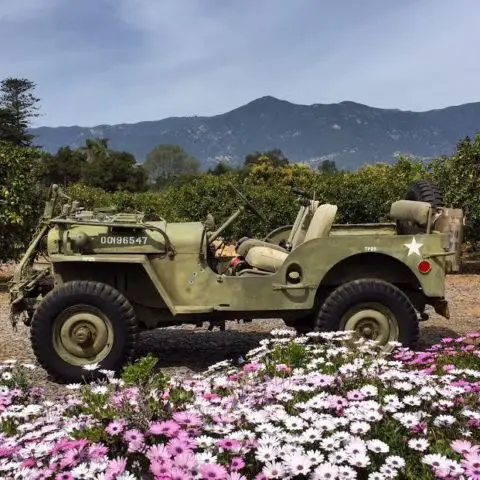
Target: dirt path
184, 349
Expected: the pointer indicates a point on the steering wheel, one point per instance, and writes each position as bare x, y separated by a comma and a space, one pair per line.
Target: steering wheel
247, 202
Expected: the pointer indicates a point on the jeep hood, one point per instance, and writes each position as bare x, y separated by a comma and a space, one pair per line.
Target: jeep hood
185, 237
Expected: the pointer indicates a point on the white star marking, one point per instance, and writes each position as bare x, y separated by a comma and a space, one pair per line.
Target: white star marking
413, 247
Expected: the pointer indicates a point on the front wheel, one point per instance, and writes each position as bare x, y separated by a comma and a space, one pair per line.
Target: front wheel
373, 309
82, 323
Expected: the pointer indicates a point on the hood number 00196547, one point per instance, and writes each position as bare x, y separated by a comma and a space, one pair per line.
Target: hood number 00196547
120, 240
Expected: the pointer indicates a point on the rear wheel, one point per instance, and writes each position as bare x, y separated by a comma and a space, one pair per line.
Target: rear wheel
373, 309
82, 323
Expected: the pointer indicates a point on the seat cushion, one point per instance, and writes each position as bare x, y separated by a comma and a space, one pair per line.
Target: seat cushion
302, 222
270, 257
322, 222
245, 246
266, 258
411, 210
296, 237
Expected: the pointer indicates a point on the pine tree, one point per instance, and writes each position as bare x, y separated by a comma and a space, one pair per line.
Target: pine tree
18, 106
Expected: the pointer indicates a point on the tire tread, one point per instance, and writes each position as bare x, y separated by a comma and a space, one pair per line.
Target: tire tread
66, 295
425, 191
328, 317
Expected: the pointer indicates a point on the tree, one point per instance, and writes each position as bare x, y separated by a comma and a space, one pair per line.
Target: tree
221, 168
21, 199
275, 157
95, 148
458, 176
18, 106
8, 132
115, 171
166, 163
328, 167
65, 167
97, 166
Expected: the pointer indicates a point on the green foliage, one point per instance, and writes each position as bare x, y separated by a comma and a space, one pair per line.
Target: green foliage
143, 373
112, 170
106, 179
274, 157
147, 386
327, 167
65, 167
461, 360
458, 176
221, 169
362, 196
366, 195
115, 171
8, 131
96, 147
15, 377
292, 356
18, 105
97, 166
165, 163
20, 198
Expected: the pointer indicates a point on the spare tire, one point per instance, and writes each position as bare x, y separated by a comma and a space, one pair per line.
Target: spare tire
420, 191
425, 191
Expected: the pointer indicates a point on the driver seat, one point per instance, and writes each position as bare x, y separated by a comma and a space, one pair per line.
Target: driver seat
297, 234
271, 259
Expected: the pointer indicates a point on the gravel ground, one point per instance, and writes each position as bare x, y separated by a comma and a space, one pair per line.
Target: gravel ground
182, 350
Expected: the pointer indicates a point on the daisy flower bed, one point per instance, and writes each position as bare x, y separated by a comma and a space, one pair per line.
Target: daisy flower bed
296, 407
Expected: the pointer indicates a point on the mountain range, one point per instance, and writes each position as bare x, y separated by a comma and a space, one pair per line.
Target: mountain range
350, 133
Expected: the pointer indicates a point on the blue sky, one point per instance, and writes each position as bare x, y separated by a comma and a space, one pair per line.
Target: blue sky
123, 61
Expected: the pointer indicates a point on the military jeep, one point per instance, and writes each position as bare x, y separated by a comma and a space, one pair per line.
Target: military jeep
109, 275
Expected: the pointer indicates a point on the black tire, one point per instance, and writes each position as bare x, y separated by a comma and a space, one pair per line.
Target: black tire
373, 294
421, 191
425, 191
92, 298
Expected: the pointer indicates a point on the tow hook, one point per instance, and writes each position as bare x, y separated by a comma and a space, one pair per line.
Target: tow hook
441, 307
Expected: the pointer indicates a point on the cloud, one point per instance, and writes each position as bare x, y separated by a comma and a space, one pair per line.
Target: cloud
21, 11
114, 61
418, 57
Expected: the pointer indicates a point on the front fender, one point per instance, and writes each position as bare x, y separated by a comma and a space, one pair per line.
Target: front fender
60, 262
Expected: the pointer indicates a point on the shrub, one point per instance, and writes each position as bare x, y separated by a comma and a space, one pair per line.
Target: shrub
361, 196
459, 178
20, 198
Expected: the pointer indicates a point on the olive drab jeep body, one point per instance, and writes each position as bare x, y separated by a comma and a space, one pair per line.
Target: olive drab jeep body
110, 275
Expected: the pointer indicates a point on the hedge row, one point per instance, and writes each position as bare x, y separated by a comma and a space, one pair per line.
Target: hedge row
362, 196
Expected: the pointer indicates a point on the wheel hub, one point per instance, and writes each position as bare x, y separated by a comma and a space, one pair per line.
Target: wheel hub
82, 336
367, 331
372, 322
